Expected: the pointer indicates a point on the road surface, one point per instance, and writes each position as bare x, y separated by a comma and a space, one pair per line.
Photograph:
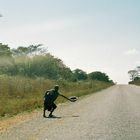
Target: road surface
112, 114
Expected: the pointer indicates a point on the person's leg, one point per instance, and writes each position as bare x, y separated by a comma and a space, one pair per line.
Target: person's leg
44, 113
52, 110
44, 110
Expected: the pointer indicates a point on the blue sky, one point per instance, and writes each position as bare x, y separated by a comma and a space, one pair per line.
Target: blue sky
92, 35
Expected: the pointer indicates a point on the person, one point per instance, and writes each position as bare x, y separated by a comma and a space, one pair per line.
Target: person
49, 98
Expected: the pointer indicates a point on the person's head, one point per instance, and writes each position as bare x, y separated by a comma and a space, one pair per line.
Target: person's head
56, 87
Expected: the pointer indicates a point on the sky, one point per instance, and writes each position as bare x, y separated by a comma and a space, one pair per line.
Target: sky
92, 35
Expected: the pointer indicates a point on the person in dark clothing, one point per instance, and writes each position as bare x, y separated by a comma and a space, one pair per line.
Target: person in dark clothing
49, 98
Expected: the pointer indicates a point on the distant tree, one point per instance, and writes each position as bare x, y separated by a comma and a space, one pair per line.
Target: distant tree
79, 74
137, 78
46, 66
20, 51
138, 69
97, 75
37, 49
5, 51
133, 74
66, 74
136, 81
6, 60
30, 50
33, 61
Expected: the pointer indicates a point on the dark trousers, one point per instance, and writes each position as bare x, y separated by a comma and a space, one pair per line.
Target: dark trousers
50, 107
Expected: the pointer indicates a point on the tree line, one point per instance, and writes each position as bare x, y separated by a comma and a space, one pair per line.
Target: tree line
35, 61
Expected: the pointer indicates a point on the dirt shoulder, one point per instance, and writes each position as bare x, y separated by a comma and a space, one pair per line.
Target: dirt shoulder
6, 123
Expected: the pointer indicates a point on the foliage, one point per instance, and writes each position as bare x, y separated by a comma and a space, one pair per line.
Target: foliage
136, 81
5, 51
97, 75
34, 61
79, 75
26, 72
133, 74
28, 51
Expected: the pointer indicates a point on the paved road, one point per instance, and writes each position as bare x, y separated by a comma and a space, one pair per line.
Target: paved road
112, 114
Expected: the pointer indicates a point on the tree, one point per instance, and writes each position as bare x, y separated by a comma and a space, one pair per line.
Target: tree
5, 51
97, 75
28, 51
133, 74
20, 51
138, 69
66, 74
79, 74
37, 49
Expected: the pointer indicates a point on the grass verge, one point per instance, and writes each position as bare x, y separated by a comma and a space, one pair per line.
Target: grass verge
18, 94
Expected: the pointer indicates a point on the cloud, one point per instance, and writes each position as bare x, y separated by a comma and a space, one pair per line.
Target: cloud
131, 52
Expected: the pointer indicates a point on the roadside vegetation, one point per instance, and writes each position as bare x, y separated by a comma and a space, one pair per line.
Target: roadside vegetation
27, 72
135, 76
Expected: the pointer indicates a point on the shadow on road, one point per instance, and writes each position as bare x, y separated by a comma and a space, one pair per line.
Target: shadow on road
57, 117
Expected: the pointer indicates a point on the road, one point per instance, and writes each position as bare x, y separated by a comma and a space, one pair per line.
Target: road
112, 114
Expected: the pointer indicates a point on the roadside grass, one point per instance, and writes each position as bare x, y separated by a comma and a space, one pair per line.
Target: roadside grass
136, 82
19, 94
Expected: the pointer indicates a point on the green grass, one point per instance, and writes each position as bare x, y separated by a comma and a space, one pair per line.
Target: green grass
18, 94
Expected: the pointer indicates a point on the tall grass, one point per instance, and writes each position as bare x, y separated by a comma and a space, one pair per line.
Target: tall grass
18, 94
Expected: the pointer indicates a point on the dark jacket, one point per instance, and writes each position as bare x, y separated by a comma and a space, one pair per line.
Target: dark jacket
51, 96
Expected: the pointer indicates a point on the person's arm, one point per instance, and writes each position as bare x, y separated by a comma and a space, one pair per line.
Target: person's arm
65, 97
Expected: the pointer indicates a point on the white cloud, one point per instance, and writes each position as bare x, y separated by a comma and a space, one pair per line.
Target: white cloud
131, 52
